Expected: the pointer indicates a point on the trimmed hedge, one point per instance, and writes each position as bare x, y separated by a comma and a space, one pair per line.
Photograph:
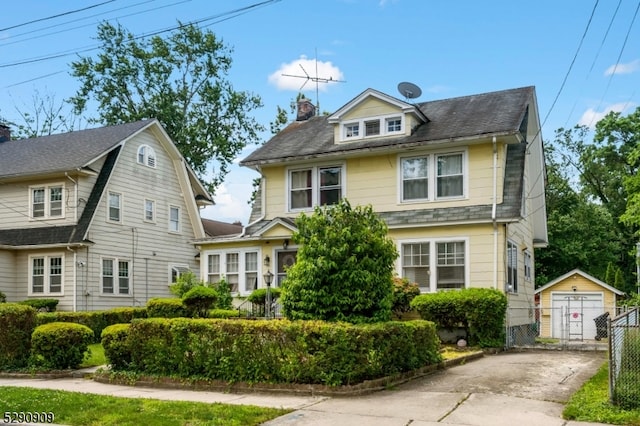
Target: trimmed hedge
96, 320
259, 295
224, 313
481, 311
199, 300
17, 323
169, 307
60, 345
48, 305
283, 351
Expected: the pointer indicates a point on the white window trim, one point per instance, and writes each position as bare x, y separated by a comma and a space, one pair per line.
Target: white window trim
383, 120
47, 264
177, 266
149, 153
315, 183
144, 211
204, 268
116, 278
528, 265
433, 257
47, 201
432, 176
173, 231
120, 222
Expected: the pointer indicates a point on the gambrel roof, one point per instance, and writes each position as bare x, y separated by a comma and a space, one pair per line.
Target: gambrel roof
71, 152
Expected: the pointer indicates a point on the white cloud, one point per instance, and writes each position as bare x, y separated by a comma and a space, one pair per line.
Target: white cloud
590, 117
628, 68
305, 70
231, 203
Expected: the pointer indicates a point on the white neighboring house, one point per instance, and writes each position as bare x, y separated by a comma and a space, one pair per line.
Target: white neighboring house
98, 218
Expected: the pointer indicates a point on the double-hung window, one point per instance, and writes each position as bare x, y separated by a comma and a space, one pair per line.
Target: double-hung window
239, 268
47, 202
512, 267
149, 210
46, 275
115, 276
314, 186
174, 219
431, 177
435, 265
371, 127
449, 175
450, 269
114, 213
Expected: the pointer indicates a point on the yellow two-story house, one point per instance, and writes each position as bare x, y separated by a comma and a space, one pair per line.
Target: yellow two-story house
459, 182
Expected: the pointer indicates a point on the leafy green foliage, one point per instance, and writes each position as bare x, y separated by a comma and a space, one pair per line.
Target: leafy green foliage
224, 313
404, 291
169, 307
259, 295
480, 311
17, 322
199, 300
95, 320
114, 342
182, 81
59, 345
47, 305
272, 351
626, 393
224, 298
3, 297
344, 267
185, 282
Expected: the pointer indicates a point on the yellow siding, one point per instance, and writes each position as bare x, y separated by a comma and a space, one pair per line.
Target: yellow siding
371, 107
582, 284
278, 231
375, 180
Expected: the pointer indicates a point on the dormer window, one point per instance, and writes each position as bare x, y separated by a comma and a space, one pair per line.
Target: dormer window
147, 156
373, 127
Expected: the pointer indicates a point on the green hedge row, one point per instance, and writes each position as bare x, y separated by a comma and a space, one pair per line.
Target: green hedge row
312, 352
17, 323
95, 320
480, 311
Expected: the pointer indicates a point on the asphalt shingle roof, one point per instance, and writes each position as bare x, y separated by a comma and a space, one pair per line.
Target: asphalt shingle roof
484, 114
61, 152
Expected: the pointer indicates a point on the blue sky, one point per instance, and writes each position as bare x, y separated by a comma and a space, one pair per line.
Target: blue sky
583, 61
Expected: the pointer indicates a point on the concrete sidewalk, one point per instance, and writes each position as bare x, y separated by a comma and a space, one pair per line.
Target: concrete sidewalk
524, 389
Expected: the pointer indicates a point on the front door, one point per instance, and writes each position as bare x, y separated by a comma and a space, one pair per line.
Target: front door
286, 259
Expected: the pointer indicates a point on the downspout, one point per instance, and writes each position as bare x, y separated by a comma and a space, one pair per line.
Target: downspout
75, 279
493, 214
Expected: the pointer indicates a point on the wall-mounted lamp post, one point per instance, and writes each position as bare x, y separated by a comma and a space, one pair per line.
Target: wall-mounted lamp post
268, 279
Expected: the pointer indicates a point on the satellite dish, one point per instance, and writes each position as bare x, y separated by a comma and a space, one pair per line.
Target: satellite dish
409, 90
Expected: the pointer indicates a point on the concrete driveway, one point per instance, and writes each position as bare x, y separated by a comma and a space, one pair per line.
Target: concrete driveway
515, 388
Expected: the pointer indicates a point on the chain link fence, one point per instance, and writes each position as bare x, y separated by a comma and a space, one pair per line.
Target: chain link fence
624, 360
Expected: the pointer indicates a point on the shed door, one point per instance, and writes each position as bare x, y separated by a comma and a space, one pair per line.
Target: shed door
573, 315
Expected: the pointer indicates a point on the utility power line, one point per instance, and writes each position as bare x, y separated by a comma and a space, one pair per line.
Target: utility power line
55, 16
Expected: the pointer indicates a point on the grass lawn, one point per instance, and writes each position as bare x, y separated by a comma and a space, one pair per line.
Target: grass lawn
96, 356
591, 403
75, 408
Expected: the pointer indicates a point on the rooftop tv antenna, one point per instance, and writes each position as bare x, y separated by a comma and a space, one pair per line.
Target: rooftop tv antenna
315, 79
409, 90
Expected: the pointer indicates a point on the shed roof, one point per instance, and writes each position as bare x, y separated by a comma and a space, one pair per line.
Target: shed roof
584, 275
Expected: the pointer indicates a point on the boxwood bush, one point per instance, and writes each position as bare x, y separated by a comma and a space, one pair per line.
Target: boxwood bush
95, 320
199, 300
17, 323
46, 305
480, 311
59, 345
169, 307
283, 351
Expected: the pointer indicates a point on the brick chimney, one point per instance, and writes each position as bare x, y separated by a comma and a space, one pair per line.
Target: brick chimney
5, 133
306, 110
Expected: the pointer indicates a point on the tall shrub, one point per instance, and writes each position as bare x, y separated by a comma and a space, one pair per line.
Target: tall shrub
344, 267
17, 322
60, 345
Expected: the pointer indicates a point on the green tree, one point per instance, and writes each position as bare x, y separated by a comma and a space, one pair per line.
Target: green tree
582, 234
182, 81
344, 268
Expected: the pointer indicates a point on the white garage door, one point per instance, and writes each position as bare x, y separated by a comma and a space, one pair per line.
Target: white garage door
573, 315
